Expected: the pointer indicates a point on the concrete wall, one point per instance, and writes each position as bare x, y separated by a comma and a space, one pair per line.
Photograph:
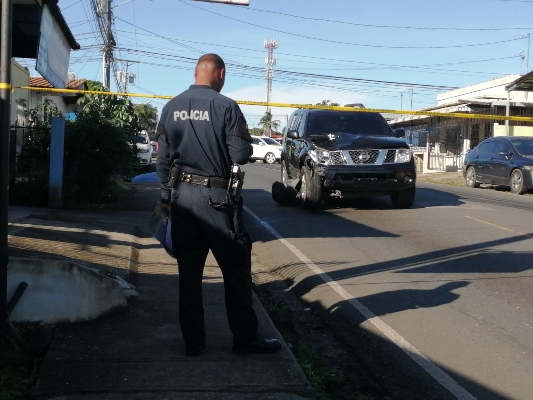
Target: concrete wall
20, 76
501, 130
61, 291
38, 97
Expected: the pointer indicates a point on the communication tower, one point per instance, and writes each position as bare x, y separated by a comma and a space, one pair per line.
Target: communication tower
270, 45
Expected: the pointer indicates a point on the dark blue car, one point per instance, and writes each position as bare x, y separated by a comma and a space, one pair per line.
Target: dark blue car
505, 161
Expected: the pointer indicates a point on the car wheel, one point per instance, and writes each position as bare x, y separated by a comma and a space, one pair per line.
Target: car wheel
270, 158
403, 198
516, 182
310, 189
471, 178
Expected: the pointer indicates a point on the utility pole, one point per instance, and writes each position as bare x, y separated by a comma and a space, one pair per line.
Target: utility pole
124, 77
270, 45
105, 13
5, 114
411, 90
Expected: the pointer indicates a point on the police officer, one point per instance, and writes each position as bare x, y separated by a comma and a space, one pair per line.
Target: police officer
203, 133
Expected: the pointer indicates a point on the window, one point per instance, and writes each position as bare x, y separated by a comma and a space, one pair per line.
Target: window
487, 131
499, 146
139, 139
255, 140
486, 147
296, 122
524, 147
349, 122
449, 141
271, 141
474, 135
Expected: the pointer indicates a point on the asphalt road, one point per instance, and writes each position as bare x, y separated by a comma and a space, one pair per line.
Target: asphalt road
448, 283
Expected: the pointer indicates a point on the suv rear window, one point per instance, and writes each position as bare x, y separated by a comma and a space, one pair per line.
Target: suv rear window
350, 122
139, 139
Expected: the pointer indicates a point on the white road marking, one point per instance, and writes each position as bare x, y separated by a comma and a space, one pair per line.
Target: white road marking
438, 374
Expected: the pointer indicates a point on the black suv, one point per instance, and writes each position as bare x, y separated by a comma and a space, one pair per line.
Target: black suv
329, 154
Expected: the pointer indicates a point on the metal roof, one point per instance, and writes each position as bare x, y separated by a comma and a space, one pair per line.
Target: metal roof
524, 83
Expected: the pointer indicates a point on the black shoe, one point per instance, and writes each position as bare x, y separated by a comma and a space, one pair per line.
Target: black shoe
260, 346
194, 351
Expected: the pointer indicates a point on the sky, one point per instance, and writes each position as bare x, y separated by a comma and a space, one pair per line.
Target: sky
385, 54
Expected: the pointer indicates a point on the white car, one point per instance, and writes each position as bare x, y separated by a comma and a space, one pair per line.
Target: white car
145, 151
266, 149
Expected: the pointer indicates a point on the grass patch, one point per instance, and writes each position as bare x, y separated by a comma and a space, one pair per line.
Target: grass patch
16, 382
318, 369
315, 368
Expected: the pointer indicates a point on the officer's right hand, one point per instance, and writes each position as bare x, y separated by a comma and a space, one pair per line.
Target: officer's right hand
165, 209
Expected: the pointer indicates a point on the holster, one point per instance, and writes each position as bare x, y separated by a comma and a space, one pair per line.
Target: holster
174, 176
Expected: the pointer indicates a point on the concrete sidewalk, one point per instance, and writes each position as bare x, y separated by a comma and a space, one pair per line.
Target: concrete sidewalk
138, 353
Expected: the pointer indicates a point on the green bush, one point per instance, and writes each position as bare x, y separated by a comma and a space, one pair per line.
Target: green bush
98, 153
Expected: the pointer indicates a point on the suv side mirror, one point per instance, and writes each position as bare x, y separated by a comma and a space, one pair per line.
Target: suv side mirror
399, 132
293, 134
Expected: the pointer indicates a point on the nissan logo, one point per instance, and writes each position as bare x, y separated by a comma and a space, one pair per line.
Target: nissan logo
364, 157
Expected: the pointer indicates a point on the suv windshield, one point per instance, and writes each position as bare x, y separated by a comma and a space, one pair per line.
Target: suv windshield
349, 122
268, 140
139, 139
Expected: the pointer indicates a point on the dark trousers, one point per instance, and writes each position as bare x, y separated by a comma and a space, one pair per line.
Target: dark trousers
196, 228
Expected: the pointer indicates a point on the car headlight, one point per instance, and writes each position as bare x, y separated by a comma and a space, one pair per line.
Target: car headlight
320, 156
402, 155
528, 167
144, 151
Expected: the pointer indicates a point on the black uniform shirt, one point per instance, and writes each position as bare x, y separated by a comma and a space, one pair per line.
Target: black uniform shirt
205, 132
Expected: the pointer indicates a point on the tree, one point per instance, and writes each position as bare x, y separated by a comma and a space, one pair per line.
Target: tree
146, 116
327, 103
268, 123
256, 132
119, 111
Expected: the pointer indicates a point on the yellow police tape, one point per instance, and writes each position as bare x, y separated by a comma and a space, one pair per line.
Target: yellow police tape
317, 107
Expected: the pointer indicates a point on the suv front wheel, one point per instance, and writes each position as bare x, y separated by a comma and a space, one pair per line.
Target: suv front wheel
310, 189
403, 198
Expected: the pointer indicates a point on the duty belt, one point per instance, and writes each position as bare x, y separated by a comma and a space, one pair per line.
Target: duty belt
204, 180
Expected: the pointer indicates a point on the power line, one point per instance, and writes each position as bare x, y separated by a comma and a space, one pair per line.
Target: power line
391, 26
348, 43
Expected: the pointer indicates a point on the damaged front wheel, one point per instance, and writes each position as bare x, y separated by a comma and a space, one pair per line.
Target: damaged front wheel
311, 189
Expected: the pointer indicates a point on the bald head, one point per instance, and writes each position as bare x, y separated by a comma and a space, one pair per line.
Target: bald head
210, 71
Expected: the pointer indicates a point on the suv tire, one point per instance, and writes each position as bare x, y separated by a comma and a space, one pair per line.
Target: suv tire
310, 189
403, 198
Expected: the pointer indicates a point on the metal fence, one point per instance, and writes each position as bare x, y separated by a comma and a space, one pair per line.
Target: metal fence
29, 165
447, 163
